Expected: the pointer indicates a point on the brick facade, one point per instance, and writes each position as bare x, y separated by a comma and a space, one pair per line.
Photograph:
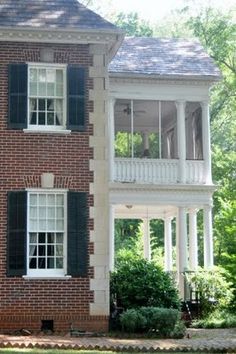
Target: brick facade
23, 158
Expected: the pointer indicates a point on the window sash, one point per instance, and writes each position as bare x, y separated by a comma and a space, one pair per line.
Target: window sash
47, 118
44, 207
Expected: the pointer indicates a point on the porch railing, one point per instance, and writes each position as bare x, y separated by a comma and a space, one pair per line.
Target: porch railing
156, 171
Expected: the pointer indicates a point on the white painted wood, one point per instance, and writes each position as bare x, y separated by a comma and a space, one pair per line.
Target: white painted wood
206, 141
208, 237
180, 105
193, 242
111, 238
146, 239
181, 251
168, 245
156, 171
111, 138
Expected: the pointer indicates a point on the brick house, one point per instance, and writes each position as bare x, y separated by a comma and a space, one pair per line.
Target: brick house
63, 110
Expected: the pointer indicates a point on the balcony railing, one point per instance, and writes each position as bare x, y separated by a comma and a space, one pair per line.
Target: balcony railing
154, 171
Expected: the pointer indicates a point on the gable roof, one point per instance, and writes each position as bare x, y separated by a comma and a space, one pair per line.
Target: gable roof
165, 58
61, 14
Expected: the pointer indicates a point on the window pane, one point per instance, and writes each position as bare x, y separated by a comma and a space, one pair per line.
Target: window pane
33, 224
33, 238
33, 74
51, 224
33, 199
42, 225
42, 105
51, 199
41, 237
42, 89
41, 263
33, 89
32, 263
60, 199
42, 75
60, 225
60, 213
51, 75
33, 212
50, 89
59, 263
41, 118
33, 250
50, 250
50, 263
50, 118
59, 90
51, 212
41, 250
42, 199
42, 212
59, 250
59, 238
59, 76
50, 237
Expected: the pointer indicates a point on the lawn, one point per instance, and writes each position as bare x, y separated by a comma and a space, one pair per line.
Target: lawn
68, 351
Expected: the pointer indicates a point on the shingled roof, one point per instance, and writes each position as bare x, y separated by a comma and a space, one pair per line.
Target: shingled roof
50, 14
163, 58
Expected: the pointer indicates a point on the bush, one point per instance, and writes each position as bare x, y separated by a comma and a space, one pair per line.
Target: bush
215, 291
165, 322
139, 282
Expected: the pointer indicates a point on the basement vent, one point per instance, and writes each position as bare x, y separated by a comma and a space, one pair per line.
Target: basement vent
47, 325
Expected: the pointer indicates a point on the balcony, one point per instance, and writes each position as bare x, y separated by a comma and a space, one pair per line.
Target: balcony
154, 171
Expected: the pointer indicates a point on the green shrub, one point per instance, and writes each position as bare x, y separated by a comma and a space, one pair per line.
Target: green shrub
165, 322
139, 282
217, 319
215, 291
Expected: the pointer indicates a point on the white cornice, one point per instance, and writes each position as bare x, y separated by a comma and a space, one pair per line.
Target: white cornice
72, 36
159, 80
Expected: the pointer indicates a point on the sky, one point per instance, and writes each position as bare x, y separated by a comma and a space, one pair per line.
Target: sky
153, 10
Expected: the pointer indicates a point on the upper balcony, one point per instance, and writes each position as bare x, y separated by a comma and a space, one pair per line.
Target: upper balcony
160, 142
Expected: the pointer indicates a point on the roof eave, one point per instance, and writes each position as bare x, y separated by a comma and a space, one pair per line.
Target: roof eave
112, 37
209, 78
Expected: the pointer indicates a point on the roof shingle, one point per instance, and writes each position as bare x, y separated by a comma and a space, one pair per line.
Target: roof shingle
50, 14
163, 57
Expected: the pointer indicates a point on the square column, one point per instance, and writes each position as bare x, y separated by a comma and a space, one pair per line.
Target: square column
180, 105
111, 238
193, 242
146, 239
208, 237
181, 251
111, 132
168, 245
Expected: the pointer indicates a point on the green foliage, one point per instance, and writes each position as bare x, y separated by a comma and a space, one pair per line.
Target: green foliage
217, 319
133, 25
138, 282
215, 291
164, 321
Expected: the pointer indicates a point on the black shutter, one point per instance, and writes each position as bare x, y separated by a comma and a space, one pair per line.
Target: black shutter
76, 78
77, 241
17, 96
16, 233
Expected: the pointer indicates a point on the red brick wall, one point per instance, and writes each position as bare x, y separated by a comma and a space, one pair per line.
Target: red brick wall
23, 158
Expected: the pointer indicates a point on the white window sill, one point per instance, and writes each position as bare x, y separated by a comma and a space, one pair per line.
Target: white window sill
51, 277
47, 131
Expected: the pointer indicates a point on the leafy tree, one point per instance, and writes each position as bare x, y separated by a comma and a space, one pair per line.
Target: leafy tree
133, 25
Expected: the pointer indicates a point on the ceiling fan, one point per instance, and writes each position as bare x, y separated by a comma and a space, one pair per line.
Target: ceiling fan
127, 110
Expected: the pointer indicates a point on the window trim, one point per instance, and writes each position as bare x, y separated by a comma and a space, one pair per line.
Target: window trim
46, 273
48, 128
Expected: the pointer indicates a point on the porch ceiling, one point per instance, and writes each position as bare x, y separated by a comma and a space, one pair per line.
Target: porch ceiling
144, 211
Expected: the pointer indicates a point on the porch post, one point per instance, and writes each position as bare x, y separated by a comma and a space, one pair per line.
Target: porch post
208, 238
180, 105
111, 238
146, 239
206, 141
168, 245
111, 132
193, 243
182, 247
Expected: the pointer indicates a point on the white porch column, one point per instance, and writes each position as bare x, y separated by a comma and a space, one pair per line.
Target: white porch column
180, 105
181, 252
206, 141
168, 245
111, 238
111, 130
193, 244
208, 238
146, 239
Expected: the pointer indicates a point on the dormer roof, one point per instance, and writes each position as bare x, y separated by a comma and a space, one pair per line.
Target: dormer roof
163, 58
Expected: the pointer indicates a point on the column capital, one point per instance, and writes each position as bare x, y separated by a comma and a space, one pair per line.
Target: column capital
112, 100
180, 103
193, 210
204, 104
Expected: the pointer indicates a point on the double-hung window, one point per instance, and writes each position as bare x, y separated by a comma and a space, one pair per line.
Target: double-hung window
46, 234
47, 96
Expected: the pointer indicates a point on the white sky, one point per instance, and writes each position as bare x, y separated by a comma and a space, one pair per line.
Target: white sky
153, 10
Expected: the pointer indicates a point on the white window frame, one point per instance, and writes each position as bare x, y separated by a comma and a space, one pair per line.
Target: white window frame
47, 128
48, 273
